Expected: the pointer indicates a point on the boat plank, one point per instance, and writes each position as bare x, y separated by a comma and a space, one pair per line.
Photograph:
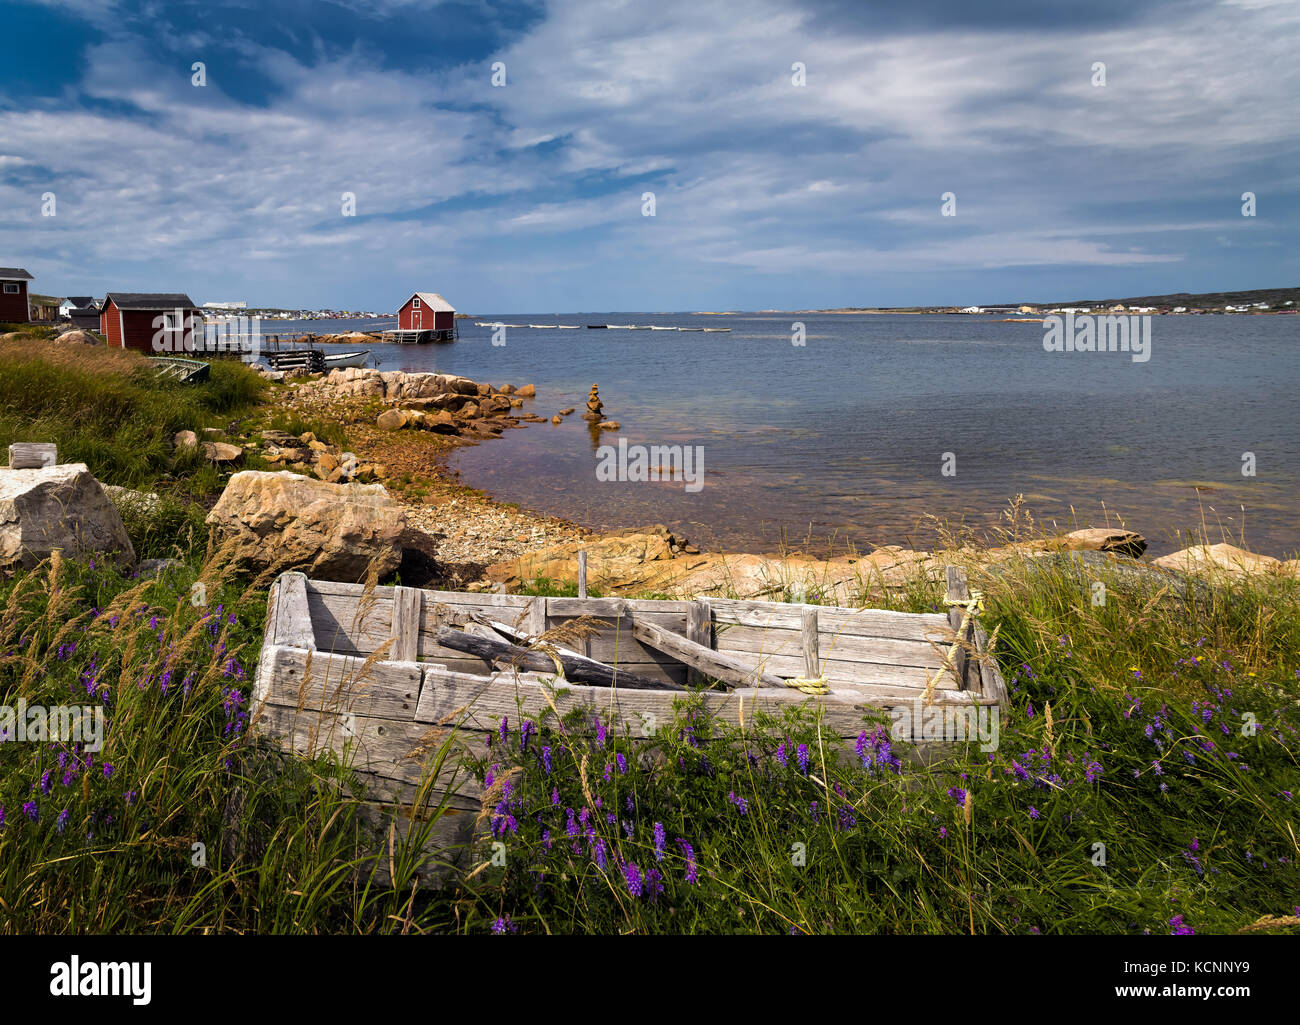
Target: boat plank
838, 647
719, 665
833, 620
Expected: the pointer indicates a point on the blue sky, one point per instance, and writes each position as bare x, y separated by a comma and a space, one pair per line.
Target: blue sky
528, 197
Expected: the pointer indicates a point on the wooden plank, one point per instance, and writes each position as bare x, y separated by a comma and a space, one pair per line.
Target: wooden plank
406, 624
289, 614
344, 684
834, 620
791, 664
842, 648
391, 751
480, 703
31, 455
958, 590
720, 666
699, 629
992, 683
348, 625
811, 658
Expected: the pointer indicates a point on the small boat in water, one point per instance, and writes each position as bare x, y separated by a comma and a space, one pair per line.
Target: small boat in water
714, 330
621, 327
567, 327
656, 328
542, 327
334, 360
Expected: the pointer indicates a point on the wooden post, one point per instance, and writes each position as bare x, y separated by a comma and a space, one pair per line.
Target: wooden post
406, 624
32, 455
958, 590
582, 574
699, 628
290, 618
811, 657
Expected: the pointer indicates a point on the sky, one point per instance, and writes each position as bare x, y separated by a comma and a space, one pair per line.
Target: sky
798, 152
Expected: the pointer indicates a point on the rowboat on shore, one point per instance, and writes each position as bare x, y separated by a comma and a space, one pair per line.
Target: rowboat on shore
335, 360
175, 368
371, 673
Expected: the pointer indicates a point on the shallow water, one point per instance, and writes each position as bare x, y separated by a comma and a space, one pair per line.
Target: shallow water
842, 439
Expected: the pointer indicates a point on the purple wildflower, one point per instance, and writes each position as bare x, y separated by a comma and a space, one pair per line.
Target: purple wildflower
802, 755
1033, 812
659, 841
635, 881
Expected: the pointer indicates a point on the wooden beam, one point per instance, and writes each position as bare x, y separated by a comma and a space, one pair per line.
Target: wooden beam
699, 629
581, 670
811, 658
406, 624
32, 455
289, 618
722, 667
582, 574
958, 590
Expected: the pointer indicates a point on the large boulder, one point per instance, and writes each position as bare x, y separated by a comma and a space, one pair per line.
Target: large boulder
1221, 559
288, 521
60, 507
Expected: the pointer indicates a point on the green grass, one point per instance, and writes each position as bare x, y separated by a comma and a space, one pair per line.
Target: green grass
1113, 832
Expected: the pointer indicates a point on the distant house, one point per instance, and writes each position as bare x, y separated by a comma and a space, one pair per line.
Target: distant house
426, 311
149, 321
84, 312
15, 306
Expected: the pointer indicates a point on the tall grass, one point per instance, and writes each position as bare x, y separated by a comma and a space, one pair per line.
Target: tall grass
177, 824
104, 408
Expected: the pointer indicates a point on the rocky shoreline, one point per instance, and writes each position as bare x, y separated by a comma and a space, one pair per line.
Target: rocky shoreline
403, 423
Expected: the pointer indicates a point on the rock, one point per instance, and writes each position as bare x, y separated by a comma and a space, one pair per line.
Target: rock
57, 507
185, 439
331, 531
566, 412
1220, 558
213, 432
484, 389
528, 391
307, 438
507, 389
156, 567
516, 402
594, 406
1104, 539
557, 420
120, 497
392, 419
469, 410
220, 452
327, 463
78, 337
280, 438
609, 425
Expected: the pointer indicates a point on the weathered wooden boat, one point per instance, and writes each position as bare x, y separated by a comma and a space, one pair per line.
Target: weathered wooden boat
375, 676
334, 360
175, 368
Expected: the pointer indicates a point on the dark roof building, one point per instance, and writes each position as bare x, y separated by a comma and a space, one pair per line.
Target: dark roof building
149, 321
14, 302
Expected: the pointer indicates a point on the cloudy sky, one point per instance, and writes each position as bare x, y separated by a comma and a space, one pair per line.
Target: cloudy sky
527, 197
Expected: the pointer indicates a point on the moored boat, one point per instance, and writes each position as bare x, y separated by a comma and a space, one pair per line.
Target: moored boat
334, 360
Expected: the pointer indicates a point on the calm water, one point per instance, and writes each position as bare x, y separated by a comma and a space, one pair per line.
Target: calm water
843, 438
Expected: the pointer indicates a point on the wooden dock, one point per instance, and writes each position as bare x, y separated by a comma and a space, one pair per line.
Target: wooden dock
424, 336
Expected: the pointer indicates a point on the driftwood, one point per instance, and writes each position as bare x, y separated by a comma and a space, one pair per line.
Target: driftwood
727, 668
578, 670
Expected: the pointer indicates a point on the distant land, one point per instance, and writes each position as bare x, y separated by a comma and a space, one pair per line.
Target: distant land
1272, 296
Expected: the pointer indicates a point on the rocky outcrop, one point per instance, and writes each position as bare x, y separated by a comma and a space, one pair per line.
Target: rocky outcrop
60, 507
1222, 559
281, 521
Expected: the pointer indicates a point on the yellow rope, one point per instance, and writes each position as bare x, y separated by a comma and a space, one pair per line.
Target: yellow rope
971, 606
816, 686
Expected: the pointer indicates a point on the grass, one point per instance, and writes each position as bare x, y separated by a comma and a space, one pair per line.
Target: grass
103, 408
1142, 782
